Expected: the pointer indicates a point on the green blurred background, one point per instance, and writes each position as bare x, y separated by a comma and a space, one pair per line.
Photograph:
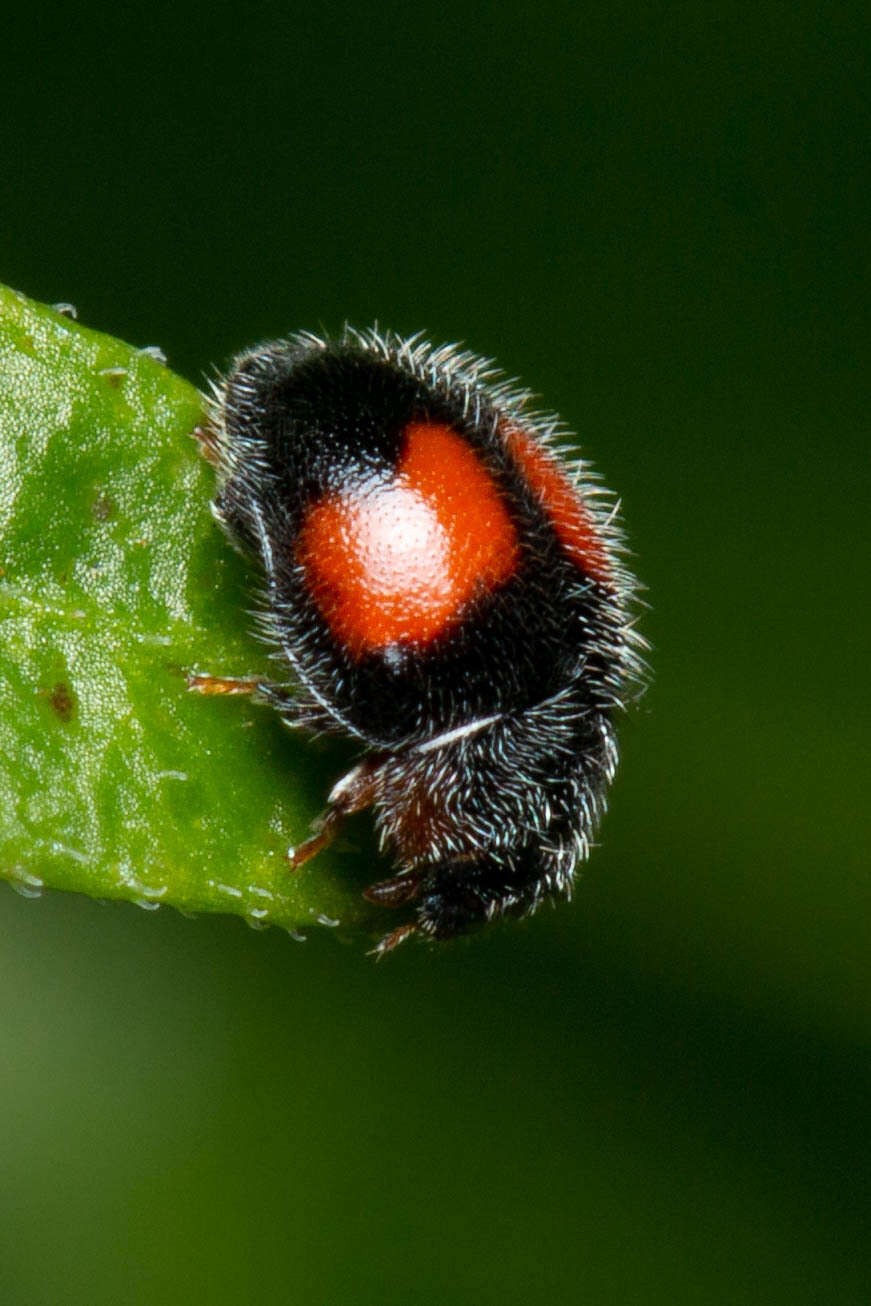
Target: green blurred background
657, 216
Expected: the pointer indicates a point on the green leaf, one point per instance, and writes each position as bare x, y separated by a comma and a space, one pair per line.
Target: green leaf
114, 584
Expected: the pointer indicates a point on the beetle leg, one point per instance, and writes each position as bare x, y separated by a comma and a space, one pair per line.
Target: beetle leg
352, 793
392, 940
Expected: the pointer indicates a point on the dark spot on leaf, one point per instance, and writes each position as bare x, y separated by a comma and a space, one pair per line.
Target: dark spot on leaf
103, 508
61, 700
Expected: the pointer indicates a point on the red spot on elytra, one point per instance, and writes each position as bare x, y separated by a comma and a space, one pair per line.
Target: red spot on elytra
397, 561
571, 520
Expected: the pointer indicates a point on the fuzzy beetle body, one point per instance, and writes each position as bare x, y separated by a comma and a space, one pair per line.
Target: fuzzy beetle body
448, 591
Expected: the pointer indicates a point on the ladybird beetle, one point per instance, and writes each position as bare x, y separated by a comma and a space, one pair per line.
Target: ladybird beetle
447, 589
